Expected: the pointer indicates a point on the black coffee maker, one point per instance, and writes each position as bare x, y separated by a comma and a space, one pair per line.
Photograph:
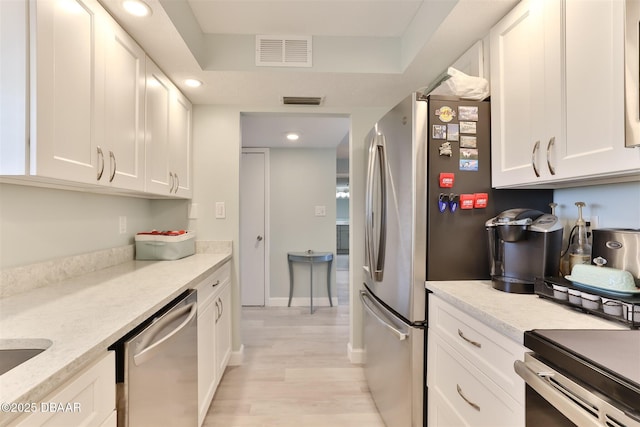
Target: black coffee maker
523, 244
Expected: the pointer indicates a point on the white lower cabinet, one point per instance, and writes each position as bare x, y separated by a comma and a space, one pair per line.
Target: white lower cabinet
214, 334
470, 372
87, 399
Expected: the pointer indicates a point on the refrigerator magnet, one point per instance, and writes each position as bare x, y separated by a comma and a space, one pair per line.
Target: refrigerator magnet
468, 113
468, 159
445, 149
453, 132
467, 127
447, 179
439, 131
467, 201
467, 141
480, 200
445, 114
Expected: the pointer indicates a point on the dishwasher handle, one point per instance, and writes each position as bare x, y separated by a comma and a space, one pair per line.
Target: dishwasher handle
147, 351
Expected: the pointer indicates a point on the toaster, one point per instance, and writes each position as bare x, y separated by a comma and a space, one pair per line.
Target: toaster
620, 247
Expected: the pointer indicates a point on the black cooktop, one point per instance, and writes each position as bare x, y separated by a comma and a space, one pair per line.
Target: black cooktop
606, 360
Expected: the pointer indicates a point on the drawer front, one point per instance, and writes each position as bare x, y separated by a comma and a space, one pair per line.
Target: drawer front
210, 286
459, 391
491, 352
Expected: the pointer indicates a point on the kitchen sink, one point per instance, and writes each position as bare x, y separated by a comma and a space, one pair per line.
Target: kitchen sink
14, 352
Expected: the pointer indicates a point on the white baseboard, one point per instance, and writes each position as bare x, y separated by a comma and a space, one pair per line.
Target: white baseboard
302, 302
236, 357
356, 356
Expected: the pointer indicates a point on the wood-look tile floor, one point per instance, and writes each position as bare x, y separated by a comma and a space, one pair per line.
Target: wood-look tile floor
295, 373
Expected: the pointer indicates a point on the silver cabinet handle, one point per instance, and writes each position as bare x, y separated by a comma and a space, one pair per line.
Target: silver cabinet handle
536, 147
217, 310
259, 238
474, 343
401, 335
146, 353
376, 261
221, 308
470, 403
217, 282
114, 165
175, 190
171, 183
550, 144
101, 162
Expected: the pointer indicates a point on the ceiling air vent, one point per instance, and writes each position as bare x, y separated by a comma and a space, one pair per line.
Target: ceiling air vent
301, 100
283, 51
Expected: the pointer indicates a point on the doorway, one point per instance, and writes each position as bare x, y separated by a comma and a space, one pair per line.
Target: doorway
254, 230
301, 200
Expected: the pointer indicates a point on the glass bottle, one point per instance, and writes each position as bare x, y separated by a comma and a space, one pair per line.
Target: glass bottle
580, 250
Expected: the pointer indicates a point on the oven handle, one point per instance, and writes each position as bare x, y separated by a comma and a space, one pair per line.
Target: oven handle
563, 394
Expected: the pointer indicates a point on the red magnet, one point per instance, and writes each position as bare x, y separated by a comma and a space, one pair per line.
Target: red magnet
447, 179
467, 201
480, 200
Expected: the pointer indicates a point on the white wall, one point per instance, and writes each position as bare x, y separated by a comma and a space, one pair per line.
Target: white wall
38, 224
301, 179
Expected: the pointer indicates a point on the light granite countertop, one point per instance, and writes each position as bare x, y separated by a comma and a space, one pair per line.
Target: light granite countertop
513, 314
84, 315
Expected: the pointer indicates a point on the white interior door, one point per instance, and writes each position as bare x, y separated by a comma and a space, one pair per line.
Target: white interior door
253, 220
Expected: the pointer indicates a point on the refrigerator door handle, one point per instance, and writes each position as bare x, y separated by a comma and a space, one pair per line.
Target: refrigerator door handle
376, 261
364, 297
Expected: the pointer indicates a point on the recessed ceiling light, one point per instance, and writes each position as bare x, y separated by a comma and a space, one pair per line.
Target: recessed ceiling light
193, 82
136, 7
292, 136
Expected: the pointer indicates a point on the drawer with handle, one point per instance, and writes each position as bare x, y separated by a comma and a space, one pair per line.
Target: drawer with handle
459, 390
213, 283
491, 352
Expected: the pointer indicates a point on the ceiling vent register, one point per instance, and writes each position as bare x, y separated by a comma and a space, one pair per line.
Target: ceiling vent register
283, 51
301, 100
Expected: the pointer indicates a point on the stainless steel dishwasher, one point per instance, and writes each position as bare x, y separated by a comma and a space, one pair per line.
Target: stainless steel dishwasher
157, 368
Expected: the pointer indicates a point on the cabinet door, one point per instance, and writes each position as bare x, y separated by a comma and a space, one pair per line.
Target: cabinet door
223, 330
89, 399
180, 144
124, 110
206, 356
67, 89
157, 101
517, 85
594, 85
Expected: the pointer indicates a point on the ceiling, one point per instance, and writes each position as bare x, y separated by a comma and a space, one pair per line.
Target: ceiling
365, 53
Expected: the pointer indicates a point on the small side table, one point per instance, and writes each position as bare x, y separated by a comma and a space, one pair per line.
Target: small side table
310, 258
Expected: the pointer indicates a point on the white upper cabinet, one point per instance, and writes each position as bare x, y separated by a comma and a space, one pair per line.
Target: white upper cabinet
557, 94
77, 116
167, 136
67, 90
124, 77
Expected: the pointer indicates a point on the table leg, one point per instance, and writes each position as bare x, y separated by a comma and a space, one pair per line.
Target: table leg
311, 285
290, 282
329, 281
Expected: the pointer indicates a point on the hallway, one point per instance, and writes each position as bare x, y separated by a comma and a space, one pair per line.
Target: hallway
295, 373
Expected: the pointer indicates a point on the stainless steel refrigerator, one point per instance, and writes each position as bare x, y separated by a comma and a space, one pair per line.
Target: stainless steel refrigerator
428, 197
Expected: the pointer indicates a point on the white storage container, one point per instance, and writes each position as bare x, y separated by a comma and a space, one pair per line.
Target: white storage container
165, 247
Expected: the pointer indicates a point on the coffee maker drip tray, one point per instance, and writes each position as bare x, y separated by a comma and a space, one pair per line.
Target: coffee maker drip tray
512, 285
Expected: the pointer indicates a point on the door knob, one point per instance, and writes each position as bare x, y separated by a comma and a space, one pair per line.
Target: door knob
259, 238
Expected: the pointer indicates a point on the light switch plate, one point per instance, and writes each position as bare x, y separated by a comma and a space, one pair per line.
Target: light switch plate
321, 210
221, 211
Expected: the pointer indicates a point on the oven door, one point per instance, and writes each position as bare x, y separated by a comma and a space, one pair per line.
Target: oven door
552, 399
